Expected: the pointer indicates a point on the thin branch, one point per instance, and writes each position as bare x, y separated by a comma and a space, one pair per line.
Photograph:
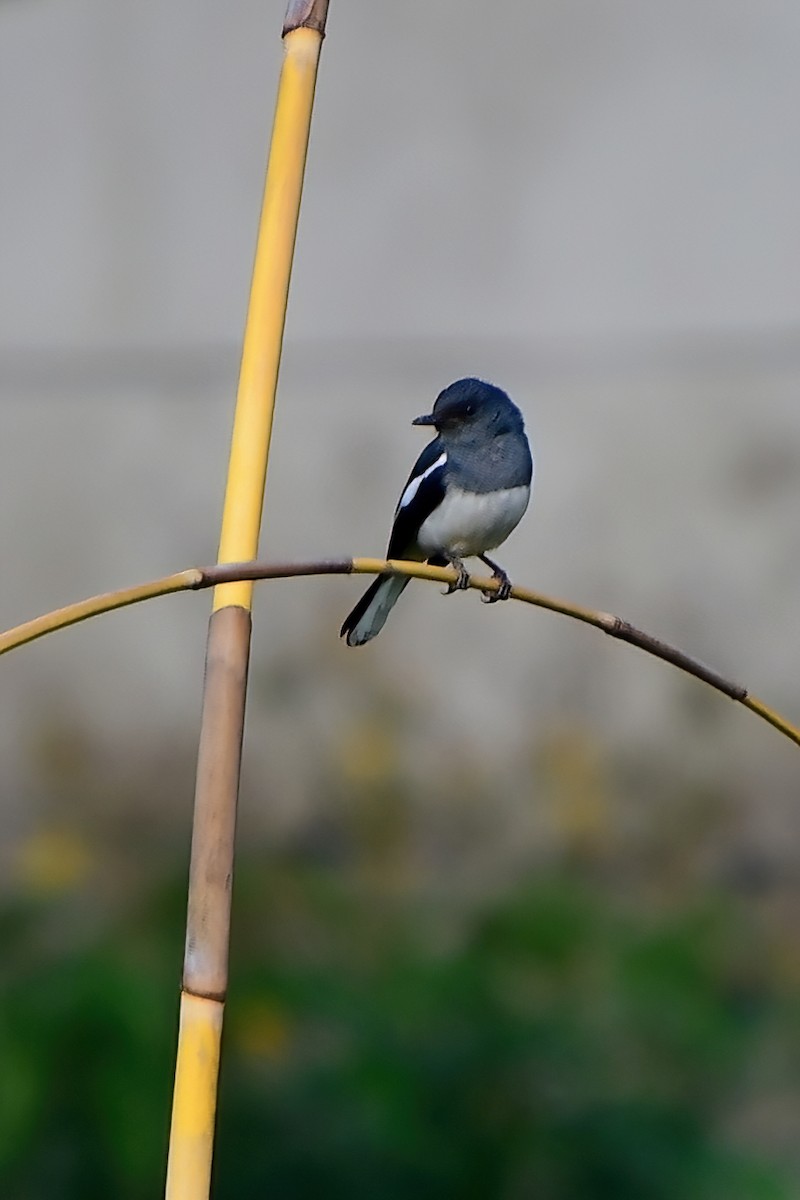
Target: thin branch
72, 614
197, 578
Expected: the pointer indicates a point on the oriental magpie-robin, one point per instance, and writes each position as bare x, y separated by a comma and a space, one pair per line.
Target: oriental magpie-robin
469, 488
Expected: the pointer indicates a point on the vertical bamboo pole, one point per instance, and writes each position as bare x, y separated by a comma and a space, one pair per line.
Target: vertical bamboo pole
205, 971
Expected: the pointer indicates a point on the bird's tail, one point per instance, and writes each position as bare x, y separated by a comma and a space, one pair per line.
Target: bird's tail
369, 615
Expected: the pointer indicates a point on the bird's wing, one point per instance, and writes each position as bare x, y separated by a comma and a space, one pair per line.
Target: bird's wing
423, 492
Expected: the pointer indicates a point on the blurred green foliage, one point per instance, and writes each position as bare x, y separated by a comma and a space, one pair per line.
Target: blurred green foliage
552, 974
549, 1041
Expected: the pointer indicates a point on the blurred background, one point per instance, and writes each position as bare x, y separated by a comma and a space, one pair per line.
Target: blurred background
517, 908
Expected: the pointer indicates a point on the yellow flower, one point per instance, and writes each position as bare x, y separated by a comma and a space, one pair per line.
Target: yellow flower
262, 1030
52, 860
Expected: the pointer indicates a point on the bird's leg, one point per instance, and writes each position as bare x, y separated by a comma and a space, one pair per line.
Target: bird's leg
461, 582
504, 590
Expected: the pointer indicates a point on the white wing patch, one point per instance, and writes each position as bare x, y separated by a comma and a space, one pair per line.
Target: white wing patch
414, 484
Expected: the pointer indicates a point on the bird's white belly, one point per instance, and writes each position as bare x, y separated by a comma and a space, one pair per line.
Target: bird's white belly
469, 523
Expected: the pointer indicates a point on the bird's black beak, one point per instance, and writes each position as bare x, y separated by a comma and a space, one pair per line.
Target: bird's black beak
428, 419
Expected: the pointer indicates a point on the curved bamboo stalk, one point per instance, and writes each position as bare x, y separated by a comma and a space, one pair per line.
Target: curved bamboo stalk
197, 578
94, 606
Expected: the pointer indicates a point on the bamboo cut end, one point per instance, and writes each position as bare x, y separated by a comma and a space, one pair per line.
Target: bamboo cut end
306, 14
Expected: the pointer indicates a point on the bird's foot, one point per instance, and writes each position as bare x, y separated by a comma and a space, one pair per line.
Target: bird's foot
503, 593
503, 590
461, 581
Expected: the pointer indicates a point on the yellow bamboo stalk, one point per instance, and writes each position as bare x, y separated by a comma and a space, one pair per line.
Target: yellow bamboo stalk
194, 1101
263, 336
205, 971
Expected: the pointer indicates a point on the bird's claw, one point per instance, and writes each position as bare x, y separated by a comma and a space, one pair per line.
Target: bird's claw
502, 592
460, 583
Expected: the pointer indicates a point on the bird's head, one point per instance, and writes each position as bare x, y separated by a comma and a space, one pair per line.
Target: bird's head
472, 406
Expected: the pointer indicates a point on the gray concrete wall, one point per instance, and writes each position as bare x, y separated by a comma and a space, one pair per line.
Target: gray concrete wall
593, 204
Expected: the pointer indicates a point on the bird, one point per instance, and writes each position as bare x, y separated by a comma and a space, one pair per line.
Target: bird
468, 490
